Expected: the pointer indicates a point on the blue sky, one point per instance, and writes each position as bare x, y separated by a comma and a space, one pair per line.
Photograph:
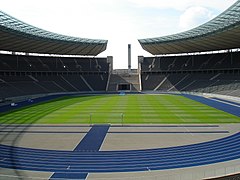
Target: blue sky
121, 22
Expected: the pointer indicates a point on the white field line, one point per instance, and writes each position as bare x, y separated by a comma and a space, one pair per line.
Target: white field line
187, 130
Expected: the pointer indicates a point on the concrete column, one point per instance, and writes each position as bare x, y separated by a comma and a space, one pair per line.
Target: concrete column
129, 58
110, 61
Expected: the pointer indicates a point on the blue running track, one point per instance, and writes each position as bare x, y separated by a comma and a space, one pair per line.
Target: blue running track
216, 104
227, 101
63, 162
25, 103
92, 141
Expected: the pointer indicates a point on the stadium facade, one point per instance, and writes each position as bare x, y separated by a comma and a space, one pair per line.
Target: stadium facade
24, 75
212, 72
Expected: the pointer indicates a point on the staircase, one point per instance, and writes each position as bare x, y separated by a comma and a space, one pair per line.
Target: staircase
124, 78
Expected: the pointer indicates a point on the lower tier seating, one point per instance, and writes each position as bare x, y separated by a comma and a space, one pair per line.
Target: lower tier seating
11, 86
220, 83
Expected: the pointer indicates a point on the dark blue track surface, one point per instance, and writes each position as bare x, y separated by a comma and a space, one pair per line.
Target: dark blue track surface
67, 176
220, 150
227, 101
25, 103
218, 105
92, 141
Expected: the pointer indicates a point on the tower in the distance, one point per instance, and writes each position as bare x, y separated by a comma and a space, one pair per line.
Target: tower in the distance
129, 58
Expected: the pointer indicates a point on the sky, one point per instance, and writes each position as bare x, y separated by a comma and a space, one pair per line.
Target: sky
121, 22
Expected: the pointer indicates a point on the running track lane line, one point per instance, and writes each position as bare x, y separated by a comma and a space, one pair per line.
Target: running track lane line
219, 150
227, 102
92, 141
122, 161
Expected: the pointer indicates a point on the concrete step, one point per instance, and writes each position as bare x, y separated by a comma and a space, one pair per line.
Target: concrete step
116, 79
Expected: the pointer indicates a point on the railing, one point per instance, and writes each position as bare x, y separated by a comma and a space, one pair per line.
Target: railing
124, 71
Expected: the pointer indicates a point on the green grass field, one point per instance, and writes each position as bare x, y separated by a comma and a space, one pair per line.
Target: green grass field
128, 109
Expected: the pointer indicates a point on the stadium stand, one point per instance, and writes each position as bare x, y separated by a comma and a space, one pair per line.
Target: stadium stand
26, 75
209, 73
217, 61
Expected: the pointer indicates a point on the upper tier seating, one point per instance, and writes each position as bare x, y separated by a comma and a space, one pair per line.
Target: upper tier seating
42, 63
192, 62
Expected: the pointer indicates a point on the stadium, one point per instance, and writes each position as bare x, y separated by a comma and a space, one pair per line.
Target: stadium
65, 113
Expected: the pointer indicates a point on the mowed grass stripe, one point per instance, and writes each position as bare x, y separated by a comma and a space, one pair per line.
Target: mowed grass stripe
136, 109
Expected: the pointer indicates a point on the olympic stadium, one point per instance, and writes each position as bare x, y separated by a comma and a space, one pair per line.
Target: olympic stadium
67, 114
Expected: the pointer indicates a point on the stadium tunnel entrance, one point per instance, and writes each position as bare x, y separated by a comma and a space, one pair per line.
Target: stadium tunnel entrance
124, 87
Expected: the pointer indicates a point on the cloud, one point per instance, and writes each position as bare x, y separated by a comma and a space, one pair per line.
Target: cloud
194, 16
173, 4
182, 4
